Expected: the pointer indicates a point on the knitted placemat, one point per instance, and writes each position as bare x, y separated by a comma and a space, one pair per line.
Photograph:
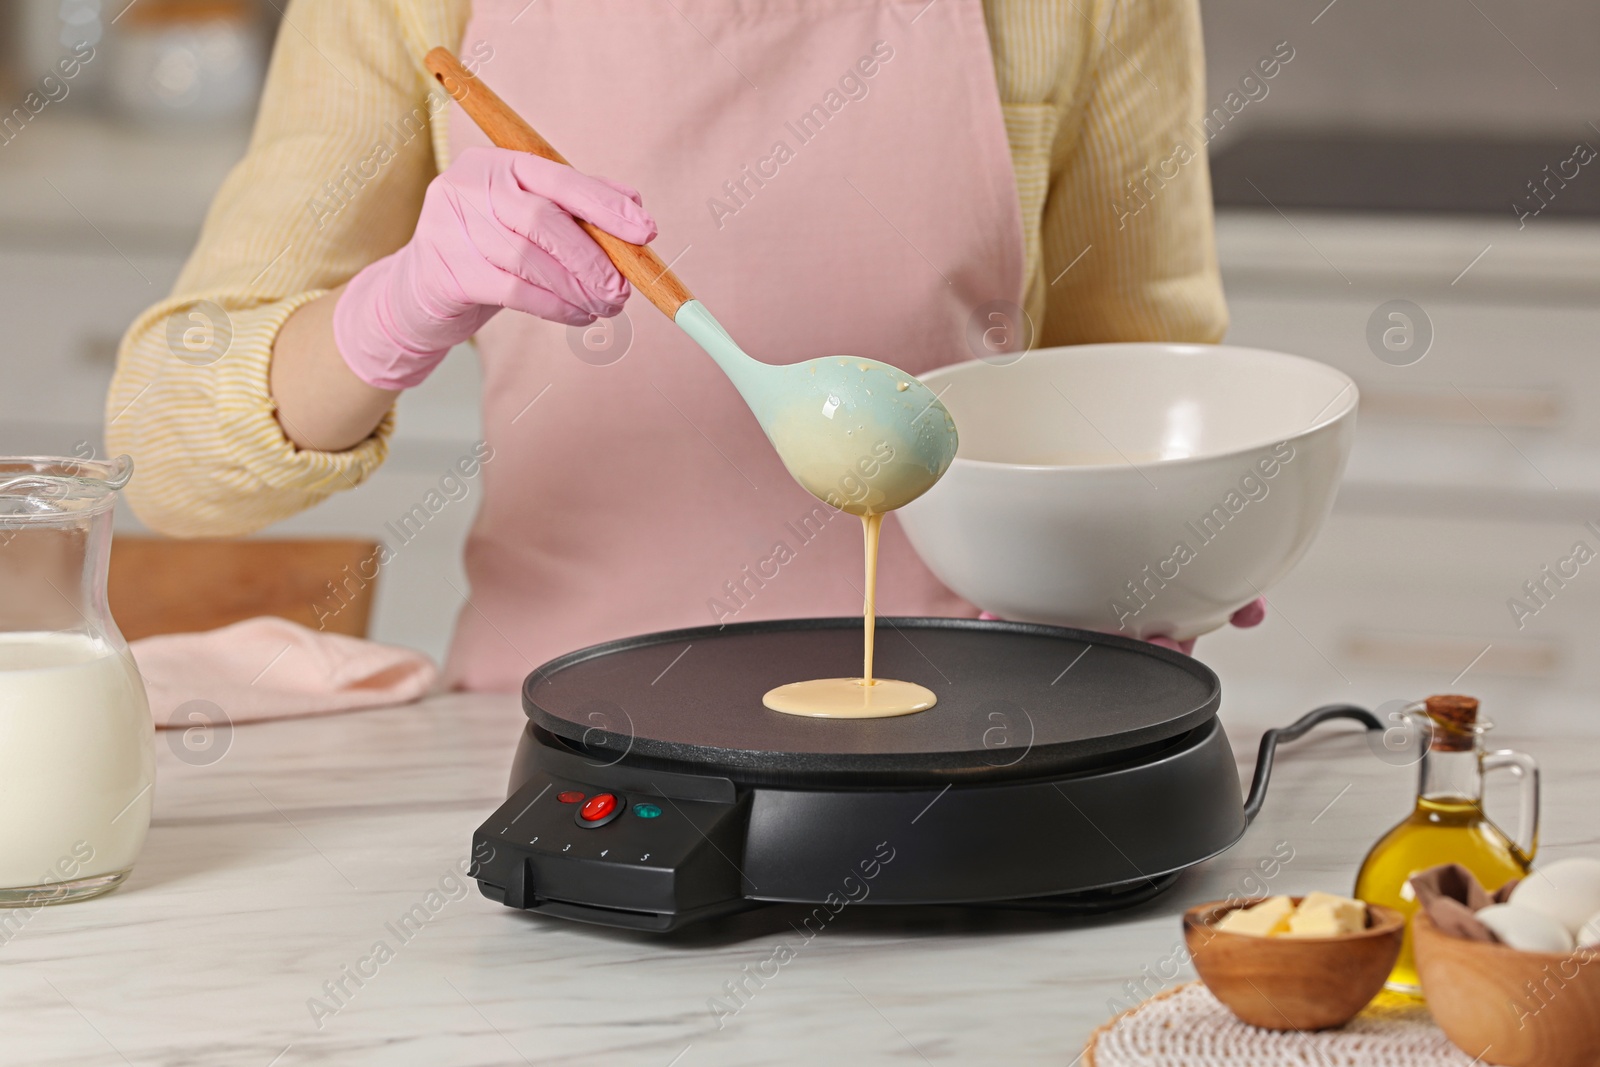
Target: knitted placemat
1188, 1026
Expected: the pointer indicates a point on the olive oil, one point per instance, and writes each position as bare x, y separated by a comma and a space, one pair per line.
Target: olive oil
1448, 823
1440, 830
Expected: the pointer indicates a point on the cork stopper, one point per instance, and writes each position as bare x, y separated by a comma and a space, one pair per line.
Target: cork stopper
1454, 718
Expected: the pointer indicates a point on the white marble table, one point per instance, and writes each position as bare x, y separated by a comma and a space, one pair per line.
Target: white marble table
270, 871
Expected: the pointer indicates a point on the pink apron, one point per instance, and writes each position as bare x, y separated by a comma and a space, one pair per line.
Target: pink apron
830, 176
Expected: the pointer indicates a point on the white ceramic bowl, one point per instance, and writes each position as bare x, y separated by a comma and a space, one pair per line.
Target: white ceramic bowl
1145, 489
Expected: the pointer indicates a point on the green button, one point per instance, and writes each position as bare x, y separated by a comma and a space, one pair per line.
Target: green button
646, 811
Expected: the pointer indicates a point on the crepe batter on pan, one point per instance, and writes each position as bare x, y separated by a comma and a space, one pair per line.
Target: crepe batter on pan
855, 698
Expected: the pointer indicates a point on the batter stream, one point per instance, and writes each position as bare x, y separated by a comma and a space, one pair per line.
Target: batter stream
855, 698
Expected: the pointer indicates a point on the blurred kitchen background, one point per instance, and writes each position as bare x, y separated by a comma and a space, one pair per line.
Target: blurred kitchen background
1404, 152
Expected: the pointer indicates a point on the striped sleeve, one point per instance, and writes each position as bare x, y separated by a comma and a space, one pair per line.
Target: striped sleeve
1129, 252
333, 179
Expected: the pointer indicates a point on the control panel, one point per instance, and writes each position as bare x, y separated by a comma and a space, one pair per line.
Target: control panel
583, 850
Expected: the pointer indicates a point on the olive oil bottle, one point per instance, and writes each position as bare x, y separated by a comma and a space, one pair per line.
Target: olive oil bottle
1448, 824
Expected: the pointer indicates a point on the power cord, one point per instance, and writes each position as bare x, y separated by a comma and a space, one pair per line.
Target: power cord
1293, 732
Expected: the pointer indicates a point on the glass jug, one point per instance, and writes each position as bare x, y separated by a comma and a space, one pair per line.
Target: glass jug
1448, 823
77, 754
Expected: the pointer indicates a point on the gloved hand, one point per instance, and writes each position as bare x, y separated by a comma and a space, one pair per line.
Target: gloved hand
497, 230
1249, 615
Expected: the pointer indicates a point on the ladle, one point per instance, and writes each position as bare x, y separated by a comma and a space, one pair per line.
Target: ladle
863, 436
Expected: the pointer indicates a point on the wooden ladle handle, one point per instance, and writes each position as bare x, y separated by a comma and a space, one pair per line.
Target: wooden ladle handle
507, 129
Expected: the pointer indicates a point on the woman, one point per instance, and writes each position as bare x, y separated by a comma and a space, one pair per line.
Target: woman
860, 176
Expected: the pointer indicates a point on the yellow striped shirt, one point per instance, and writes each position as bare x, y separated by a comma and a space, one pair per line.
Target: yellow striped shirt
1098, 96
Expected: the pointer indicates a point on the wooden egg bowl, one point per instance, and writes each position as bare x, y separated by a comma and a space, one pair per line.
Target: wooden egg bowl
1506, 1006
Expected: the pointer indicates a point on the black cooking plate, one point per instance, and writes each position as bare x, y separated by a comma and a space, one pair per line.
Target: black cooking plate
1014, 698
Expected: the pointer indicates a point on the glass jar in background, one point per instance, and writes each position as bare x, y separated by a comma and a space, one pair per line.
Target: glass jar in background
77, 756
186, 61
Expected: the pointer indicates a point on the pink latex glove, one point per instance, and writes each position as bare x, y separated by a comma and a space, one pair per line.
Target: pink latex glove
497, 230
1249, 615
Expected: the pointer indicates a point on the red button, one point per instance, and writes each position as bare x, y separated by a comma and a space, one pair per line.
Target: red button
598, 807
570, 796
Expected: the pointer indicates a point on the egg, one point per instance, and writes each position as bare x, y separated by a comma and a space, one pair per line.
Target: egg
1525, 929
1567, 890
1589, 935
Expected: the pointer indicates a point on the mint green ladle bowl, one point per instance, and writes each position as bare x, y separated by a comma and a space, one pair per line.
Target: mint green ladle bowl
858, 434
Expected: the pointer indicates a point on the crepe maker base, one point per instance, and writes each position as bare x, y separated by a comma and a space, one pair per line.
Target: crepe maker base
1060, 768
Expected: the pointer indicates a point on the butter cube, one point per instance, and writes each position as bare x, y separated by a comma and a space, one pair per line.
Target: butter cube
1318, 899
1325, 915
1265, 919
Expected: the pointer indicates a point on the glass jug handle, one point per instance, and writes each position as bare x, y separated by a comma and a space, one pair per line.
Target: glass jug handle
120, 471
1523, 767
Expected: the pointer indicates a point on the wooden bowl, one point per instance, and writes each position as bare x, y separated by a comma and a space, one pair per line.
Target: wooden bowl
1507, 1006
1293, 983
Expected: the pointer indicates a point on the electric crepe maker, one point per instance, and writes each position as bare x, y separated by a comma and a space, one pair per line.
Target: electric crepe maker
1062, 769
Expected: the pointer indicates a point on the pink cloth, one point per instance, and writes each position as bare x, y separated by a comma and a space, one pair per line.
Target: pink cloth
496, 231
830, 176
271, 668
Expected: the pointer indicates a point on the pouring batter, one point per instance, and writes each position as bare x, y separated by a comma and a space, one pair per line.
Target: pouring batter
855, 698
874, 177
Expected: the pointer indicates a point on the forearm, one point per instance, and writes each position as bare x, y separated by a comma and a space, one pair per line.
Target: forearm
214, 456
321, 404
211, 458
